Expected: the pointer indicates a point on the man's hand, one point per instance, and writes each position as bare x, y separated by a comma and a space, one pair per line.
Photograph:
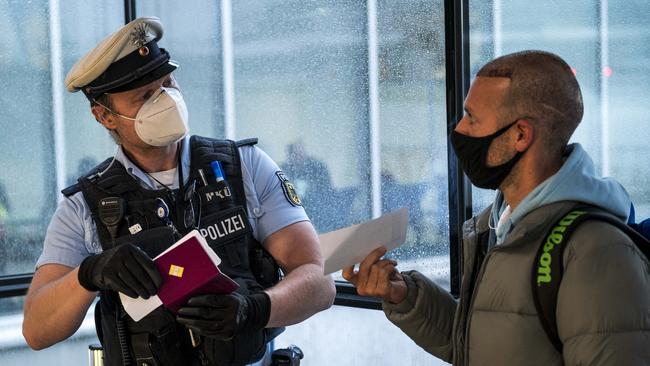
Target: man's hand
125, 268
224, 316
378, 277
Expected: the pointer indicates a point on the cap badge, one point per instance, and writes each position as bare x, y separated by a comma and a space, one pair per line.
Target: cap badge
143, 51
139, 35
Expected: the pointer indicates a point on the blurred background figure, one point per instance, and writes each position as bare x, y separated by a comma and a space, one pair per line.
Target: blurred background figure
311, 178
4, 215
4, 212
83, 167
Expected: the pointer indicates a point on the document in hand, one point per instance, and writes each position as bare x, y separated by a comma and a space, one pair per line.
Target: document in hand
350, 245
189, 268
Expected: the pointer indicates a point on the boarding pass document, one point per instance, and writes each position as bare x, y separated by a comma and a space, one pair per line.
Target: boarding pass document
350, 245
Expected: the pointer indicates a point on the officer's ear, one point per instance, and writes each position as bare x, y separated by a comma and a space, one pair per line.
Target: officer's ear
103, 116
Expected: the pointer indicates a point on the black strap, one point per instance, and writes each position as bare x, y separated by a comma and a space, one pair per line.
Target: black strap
548, 268
247, 142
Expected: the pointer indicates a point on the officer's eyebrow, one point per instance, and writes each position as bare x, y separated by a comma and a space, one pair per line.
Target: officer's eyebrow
138, 96
141, 94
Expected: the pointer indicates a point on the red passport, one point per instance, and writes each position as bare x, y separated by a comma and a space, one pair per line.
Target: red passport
190, 268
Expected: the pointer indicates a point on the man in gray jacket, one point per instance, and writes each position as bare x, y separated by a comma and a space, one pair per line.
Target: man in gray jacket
521, 111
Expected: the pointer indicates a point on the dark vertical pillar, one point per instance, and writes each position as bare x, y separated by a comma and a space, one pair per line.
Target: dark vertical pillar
457, 71
129, 10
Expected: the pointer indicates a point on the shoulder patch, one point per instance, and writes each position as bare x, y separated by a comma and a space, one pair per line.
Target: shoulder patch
288, 189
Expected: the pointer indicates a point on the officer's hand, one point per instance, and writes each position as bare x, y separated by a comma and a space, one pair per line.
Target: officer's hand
224, 316
125, 268
378, 277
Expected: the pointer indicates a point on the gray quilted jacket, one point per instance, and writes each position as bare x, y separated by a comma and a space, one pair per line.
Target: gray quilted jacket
603, 306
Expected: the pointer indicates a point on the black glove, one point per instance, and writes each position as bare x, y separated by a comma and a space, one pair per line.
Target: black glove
125, 268
224, 316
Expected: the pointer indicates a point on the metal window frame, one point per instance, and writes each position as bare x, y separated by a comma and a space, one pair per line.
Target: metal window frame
460, 203
458, 77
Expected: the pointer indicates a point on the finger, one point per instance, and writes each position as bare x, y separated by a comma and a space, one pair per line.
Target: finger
140, 276
396, 276
350, 275
149, 267
197, 312
133, 283
201, 325
379, 277
372, 258
366, 265
204, 327
214, 301
385, 284
116, 283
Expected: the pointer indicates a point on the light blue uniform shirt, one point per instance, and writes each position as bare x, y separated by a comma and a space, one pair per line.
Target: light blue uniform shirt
72, 235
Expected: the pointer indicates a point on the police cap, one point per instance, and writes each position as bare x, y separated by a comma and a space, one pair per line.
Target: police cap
125, 60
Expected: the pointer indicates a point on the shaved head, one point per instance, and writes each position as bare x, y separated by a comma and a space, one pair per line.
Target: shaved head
542, 89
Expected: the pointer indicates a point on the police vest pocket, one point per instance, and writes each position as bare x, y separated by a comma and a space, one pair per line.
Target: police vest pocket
215, 196
244, 348
225, 227
158, 340
153, 241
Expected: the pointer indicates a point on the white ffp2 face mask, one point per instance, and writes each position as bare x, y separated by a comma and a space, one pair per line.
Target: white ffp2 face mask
162, 119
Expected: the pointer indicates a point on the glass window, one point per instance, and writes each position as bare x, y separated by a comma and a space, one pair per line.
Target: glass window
413, 129
48, 134
605, 42
192, 35
303, 84
26, 195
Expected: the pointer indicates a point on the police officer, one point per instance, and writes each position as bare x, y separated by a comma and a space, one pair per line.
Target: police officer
159, 186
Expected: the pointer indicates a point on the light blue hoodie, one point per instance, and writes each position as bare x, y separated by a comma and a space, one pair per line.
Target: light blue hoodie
575, 181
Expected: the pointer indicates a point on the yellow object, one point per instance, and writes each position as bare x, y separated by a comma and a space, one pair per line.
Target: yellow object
176, 271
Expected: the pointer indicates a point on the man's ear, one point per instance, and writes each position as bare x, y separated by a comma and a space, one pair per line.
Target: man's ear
103, 116
525, 135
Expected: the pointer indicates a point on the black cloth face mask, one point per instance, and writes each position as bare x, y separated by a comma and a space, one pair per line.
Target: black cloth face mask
472, 153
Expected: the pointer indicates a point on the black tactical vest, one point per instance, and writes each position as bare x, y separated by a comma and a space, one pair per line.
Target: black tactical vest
155, 219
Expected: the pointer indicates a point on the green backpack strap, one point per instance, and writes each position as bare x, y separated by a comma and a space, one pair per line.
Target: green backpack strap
548, 267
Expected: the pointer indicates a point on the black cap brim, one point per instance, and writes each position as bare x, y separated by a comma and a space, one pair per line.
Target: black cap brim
138, 68
154, 75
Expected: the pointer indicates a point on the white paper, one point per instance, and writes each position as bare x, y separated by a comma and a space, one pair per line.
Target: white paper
350, 245
138, 308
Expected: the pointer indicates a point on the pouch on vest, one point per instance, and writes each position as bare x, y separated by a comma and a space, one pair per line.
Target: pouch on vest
156, 345
111, 322
215, 196
153, 241
223, 228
